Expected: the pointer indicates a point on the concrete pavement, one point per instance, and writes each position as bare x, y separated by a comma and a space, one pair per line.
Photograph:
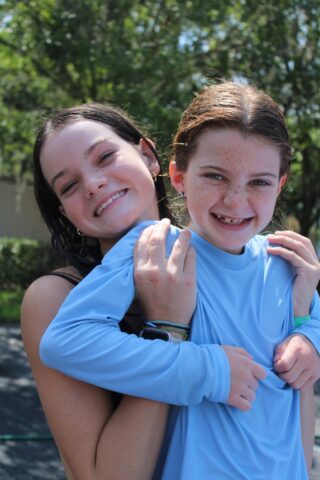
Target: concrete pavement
29, 454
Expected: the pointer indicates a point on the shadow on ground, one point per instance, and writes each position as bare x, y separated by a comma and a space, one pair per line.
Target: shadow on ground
22, 417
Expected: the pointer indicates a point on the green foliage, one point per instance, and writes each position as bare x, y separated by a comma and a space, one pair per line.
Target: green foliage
150, 56
22, 261
10, 302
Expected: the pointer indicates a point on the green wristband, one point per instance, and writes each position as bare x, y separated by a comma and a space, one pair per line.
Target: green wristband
298, 321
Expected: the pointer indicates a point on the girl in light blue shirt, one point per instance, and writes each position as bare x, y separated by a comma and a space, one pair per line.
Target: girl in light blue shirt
230, 161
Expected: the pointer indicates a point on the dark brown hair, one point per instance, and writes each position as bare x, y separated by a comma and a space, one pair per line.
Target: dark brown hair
229, 104
83, 252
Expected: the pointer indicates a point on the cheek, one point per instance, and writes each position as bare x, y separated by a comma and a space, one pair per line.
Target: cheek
265, 206
71, 210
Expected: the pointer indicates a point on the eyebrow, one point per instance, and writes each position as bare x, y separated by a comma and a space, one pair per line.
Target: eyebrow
97, 142
57, 176
87, 153
222, 170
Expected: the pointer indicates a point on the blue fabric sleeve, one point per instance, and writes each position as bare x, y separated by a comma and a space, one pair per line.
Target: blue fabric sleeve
84, 341
311, 328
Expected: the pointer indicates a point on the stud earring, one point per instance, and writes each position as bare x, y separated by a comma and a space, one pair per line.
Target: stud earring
80, 233
181, 195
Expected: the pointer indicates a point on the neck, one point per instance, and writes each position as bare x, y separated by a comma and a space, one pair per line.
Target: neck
107, 243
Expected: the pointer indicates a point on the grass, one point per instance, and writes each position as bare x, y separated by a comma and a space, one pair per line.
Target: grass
10, 302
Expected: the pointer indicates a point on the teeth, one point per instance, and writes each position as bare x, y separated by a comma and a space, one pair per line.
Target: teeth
233, 221
111, 199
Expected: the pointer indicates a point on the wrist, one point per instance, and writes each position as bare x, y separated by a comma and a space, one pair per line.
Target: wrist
164, 330
149, 333
300, 320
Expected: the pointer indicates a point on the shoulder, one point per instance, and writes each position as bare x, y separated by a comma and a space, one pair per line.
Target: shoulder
122, 250
258, 244
44, 297
271, 263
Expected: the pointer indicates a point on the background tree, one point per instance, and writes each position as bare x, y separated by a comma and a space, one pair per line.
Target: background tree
150, 57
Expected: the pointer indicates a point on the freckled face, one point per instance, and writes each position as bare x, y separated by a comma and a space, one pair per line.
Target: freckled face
104, 183
232, 183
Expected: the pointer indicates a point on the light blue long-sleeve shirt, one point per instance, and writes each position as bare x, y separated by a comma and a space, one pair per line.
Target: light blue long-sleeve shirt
243, 300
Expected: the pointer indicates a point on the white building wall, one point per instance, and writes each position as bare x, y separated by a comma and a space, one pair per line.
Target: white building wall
19, 214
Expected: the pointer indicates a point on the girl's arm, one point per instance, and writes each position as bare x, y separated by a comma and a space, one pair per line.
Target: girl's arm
95, 440
85, 342
297, 360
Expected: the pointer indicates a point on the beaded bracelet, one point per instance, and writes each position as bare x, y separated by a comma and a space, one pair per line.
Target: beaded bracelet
298, 321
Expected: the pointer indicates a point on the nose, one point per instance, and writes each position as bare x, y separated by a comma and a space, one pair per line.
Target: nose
235, 197
92, 184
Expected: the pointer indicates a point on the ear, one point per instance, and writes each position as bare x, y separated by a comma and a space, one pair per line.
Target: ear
62, 210
176, 177
282, 182
149, 156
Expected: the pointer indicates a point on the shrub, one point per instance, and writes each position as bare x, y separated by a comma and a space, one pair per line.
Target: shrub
22, 261
10, 302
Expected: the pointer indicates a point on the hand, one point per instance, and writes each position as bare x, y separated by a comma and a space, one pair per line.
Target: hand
245, 376
298, 250
166, 287
297, 362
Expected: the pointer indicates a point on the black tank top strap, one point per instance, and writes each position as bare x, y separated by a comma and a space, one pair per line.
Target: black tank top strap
67, 276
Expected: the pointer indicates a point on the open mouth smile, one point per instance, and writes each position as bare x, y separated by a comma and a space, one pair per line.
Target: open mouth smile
231, 220
106, 204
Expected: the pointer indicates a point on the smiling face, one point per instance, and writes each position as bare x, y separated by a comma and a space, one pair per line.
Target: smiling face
231, 186
103, 182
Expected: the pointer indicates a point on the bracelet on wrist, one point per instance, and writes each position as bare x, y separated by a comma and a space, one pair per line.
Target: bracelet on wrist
164, 330
176, 332
152, 333
298, 321
163, 323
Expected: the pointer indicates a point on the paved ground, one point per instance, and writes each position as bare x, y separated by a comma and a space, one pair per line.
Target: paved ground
21, 414
21, 417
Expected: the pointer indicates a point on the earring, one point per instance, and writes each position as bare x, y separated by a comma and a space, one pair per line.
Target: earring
80, 233
181, 195
154, 176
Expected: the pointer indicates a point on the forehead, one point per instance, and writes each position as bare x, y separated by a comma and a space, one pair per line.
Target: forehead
73, 141
236, 149
79, 133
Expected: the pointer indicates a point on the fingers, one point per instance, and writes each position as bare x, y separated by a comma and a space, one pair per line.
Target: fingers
242, 351
285, 361
165, 286
182, 256
258, 371
244, 401
293, 247
141, 254
241, 403
279, 351
245, 375
151, 244
291, 375
157, 241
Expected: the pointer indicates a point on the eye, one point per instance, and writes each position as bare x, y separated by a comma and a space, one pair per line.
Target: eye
260, 183
214, 176
105, 157
67, 188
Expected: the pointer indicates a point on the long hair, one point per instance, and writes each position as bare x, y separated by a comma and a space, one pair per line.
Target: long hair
83, 252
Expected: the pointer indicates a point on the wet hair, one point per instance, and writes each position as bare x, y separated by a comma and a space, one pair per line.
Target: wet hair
83, 252
231, 105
